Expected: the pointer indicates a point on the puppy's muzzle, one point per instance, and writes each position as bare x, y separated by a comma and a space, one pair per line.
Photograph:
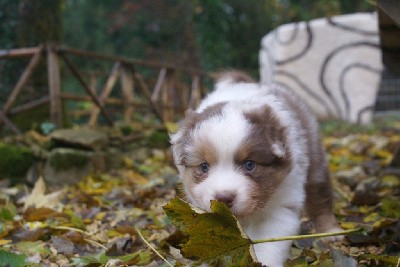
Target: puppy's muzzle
227, 197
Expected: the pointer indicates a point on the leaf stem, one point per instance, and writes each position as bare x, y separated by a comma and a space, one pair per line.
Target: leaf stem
69, 229
93, 242
96, 243
152, 248
298, 237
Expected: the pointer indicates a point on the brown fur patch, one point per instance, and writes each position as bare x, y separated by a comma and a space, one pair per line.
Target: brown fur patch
191, 120
319, 205
270, 169
204, 152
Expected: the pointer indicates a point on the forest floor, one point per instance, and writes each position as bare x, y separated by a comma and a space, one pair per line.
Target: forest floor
117, 218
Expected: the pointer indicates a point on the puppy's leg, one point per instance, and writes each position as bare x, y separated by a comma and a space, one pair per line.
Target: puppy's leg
319, 201
282, 222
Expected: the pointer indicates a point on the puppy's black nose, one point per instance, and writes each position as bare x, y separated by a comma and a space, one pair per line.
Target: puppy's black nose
226, 197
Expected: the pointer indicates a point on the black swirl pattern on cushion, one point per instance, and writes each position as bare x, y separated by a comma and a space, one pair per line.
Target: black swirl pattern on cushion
324, 69
343, 90
304, 88
347, 27
302, 51
333, 64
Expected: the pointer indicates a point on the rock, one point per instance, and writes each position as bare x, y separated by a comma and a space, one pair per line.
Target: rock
86, 139
69, 166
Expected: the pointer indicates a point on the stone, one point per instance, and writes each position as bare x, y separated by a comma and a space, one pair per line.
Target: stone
87, 139
69, 166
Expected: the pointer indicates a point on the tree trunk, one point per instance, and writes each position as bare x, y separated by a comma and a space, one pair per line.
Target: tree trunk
39, 22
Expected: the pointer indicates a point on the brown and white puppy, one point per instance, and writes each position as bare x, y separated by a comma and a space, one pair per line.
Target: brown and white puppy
257, 149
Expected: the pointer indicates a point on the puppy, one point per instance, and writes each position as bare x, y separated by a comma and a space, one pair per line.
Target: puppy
257, 149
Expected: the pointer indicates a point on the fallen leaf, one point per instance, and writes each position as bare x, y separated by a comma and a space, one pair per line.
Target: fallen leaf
387, 260
62, 245
212, 236
39, 214
39, 199
137, 258
12, 259
75, 237
30, 235
5, 242
33, 248
391, 208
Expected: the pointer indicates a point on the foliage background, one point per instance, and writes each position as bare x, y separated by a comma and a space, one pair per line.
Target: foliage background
202, 34
210, 34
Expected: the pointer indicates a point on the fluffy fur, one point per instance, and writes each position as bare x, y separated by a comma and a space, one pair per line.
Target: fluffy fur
256, 148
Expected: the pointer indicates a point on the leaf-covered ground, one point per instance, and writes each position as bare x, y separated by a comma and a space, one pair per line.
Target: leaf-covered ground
117, 219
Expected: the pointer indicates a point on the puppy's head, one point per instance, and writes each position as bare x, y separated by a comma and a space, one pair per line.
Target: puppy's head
233, 155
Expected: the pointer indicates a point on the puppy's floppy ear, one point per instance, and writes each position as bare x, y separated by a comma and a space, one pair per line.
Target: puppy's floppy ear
183, 125
269, 128
180, 138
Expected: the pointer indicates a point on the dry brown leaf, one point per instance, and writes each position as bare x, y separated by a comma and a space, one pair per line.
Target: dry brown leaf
39, 214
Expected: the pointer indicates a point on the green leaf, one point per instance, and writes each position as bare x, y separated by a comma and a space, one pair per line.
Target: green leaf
99, 258
298, 262
75, 219
11, 259
212, 236
6, 215
391, 208
33, 247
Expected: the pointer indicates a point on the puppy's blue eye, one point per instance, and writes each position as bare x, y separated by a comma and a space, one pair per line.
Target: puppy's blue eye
249, 165
204, 167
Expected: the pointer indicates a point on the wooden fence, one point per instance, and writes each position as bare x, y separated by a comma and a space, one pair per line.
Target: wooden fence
167, 96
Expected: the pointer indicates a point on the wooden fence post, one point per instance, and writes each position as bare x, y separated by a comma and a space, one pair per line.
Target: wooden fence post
127, 87
157, 88
21, 82
195, 92
167, 99
94, 98
112, 79
179, 93
147, 94
9, 123
53, 72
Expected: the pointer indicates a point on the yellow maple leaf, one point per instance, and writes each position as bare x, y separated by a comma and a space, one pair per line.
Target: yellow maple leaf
38, 198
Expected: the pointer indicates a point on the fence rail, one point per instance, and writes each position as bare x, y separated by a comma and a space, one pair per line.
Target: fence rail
167, 97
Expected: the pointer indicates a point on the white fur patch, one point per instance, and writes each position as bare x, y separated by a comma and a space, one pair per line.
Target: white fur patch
225, 133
